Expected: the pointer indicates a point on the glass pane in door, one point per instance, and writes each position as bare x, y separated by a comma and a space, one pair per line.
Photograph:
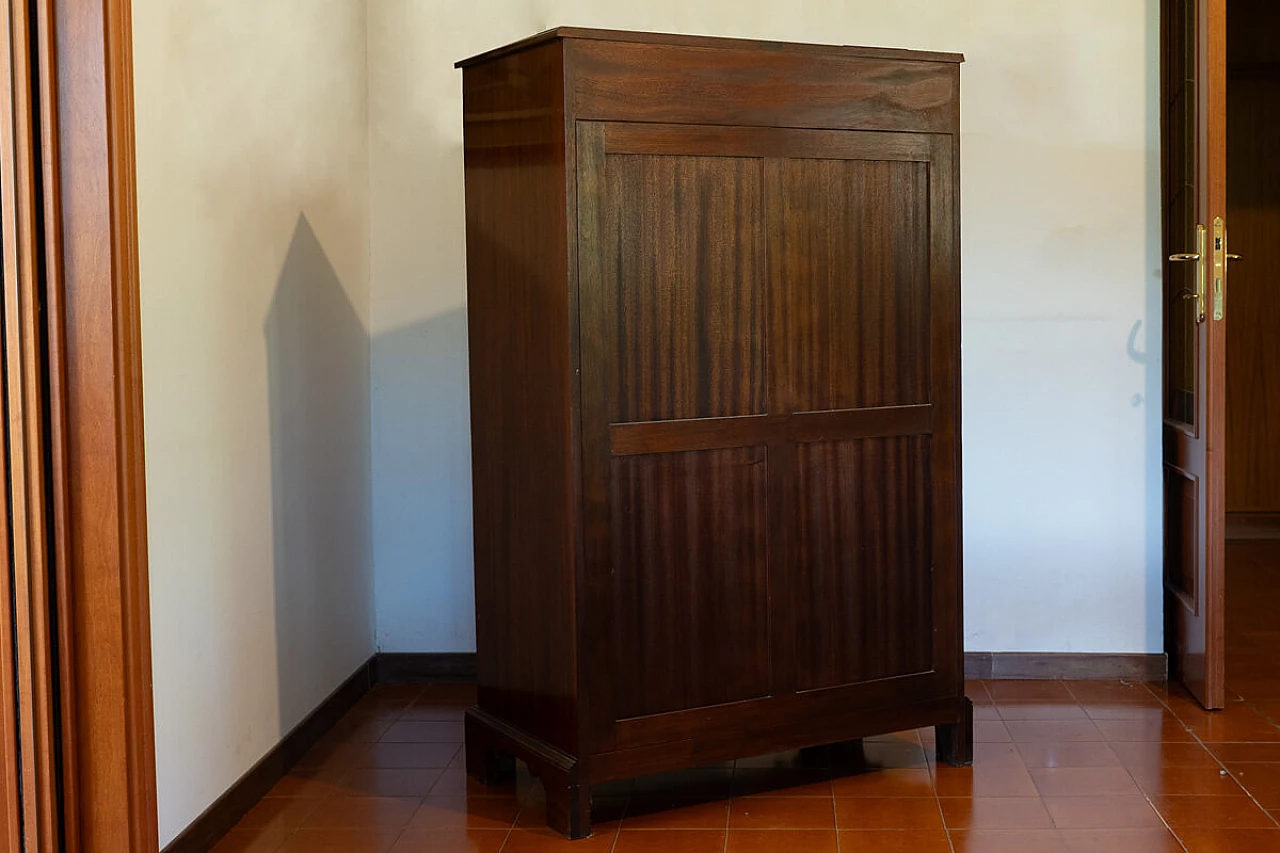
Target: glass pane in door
1179, 116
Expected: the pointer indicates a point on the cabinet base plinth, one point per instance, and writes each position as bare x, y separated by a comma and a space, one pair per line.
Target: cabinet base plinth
491, 749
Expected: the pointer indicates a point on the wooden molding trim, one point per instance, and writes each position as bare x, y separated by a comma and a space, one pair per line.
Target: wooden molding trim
96, 465
206, 830
398, 667
1069, 667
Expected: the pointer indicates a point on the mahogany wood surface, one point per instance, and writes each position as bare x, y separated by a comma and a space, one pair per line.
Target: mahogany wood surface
706, 42
624, 81
713, 298
522, 392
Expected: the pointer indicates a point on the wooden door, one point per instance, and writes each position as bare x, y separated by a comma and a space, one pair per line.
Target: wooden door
1193, 102
769, 400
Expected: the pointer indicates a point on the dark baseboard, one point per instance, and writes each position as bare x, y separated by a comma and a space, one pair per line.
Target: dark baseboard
386, 668
209, 828
409, 667
1069, 667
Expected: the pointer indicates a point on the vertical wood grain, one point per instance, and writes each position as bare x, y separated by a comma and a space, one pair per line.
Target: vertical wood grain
854, 254
691, 599
31, 639
1210, 623
856, 312
765, 287
690, 339
19, 767
1253, 348
522, 390
96, 429
863, 561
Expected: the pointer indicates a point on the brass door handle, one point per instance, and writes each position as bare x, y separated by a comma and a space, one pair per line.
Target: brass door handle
1232, 257
1200, 257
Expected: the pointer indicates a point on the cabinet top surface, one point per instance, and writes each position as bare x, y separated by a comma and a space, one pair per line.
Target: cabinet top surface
709, 42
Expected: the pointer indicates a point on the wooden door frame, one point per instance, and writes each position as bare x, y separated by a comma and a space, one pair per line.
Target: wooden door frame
74, 275
1214, 186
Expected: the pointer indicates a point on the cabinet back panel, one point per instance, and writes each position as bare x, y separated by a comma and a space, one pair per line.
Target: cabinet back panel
850, 252
690, 580
822, 254
682, 288
862, 561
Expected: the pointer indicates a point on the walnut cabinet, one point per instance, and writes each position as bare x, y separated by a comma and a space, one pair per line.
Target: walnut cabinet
713, 301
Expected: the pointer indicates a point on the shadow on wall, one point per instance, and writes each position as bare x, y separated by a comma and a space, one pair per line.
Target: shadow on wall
318, 366
422, 486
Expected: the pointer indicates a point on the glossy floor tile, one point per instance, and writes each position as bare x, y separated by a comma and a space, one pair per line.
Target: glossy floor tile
1059, 767
389, 779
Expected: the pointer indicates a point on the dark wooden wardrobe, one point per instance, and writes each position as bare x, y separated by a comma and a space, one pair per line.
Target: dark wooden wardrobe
714, 307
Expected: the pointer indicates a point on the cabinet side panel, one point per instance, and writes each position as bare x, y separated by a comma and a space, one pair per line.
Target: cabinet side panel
521, 391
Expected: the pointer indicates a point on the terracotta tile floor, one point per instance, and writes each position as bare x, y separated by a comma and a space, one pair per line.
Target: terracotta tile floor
1059, 767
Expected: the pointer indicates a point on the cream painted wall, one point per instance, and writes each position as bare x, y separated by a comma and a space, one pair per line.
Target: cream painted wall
1061, 243
253, 208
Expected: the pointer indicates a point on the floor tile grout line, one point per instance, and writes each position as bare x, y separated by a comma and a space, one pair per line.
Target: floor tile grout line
835, 813
1163, 820
524, 803
1059, 830
728, 812
1222, 766
1224, 769
937, 799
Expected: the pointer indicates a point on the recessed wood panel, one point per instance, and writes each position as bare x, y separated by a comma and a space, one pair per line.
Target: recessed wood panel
863, 561
1182, 538
690, 573
682, 293
850, 253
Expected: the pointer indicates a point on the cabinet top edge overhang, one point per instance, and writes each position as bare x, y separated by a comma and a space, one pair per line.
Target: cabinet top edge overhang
709, 42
